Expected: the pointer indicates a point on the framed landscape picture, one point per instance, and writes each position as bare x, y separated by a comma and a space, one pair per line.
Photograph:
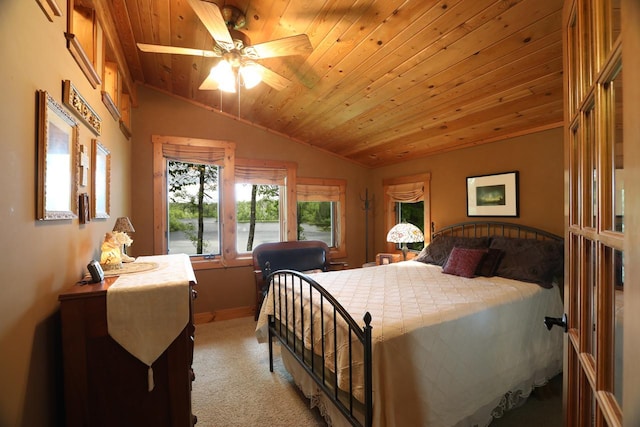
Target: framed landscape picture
493, 195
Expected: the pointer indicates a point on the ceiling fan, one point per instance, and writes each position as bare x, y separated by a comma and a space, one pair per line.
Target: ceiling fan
238, 56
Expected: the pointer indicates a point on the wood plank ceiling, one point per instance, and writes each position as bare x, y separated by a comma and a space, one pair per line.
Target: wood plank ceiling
386, 80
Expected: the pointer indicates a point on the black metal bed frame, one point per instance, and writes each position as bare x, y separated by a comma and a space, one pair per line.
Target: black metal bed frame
283, 331
495, 228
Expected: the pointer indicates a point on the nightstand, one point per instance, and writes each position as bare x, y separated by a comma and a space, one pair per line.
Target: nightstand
389, 258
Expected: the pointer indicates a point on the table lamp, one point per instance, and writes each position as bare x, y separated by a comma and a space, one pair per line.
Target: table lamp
404, 233
123, 225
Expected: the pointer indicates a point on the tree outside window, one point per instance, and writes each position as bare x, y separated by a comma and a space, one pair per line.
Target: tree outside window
257, 215
193, 208
412, 213
321, 212
316, 221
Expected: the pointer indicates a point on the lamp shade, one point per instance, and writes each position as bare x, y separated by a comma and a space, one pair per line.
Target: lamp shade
124, 225
405, 233
224, 75
251, 74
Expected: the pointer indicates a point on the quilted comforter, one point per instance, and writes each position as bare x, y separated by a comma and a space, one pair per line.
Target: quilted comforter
446, 349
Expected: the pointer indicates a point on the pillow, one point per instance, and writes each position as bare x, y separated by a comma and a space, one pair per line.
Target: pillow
463, 262
439, 249
489, 263
536, 261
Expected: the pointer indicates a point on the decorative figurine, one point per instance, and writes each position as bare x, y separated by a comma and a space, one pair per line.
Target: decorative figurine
111, 257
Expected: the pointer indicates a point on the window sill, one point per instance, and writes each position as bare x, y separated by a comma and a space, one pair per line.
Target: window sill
202, 263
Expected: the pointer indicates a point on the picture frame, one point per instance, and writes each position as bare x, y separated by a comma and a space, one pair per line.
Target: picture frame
101, 181
57, 180
493, 195
83, 209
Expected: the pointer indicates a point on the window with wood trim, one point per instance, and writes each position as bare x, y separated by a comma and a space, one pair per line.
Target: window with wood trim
83, 38
322, 212
193, 202
111, 84
265, 211
412, 189
227, 178
170, 153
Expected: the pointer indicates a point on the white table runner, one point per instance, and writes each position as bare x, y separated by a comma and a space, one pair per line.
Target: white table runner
147, 311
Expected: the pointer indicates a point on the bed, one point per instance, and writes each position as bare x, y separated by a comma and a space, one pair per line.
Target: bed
453, 337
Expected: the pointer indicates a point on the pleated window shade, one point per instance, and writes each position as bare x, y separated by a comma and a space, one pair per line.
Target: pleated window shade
260, 175
194, 154
409, 192
318, 193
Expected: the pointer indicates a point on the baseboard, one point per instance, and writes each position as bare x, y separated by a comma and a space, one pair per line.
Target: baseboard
227, 314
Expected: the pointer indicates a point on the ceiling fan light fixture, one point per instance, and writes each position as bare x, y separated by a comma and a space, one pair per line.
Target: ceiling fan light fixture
233, 17
237, 55
251, 75
224, 75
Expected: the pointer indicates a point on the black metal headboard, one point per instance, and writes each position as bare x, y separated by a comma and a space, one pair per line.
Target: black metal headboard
495, 228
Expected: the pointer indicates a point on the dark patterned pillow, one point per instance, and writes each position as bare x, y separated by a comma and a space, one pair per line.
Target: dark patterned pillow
489, 263
439, 249
463, 262
537, 261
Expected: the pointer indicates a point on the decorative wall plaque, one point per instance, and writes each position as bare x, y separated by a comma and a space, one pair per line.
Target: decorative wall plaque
72, 99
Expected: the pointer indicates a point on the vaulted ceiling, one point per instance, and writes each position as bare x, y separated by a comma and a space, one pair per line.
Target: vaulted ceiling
386, 81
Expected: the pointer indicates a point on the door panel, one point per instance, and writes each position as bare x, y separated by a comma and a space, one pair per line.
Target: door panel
595, 218
631, 257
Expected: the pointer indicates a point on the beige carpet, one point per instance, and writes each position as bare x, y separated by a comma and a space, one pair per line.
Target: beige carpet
233, 385
234, 388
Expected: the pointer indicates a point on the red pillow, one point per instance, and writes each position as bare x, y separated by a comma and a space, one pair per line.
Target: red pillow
463, 262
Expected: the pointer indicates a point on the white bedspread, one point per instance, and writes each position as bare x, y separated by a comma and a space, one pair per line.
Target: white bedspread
445, 348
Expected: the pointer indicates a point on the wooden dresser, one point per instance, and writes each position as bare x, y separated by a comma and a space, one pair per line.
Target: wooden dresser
107, 386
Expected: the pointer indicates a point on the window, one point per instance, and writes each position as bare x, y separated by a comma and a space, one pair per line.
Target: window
263, 207
258, 215
194, 227
213, 228
407, 199
413, 213
322, 212
115, 94
83, 35
178, 192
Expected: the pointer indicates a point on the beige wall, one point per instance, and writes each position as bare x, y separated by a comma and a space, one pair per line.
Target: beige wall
537, 157
160, 114
40, 258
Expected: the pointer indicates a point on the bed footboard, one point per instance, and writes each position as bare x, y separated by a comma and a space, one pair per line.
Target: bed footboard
327, 342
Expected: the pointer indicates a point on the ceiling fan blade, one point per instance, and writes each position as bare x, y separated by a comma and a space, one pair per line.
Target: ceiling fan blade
294, 45
212, 19
155, 48
273, 79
